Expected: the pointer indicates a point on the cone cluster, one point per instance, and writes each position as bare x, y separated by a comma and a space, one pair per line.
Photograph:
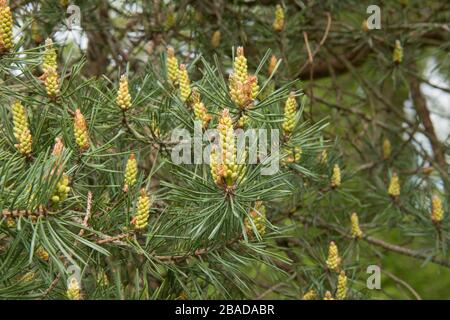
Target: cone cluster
36, 32
73, 290
328, 296
130, 172
310, 295
290, 109
170, 17
336, 176
80, 131
172, 66
224, 163
243, 87
6, 25
240, 65
200, 111
21, 130
272, 64
27, 277
185, 84
123, 95
437, 213
62, 190
356, 230
278, 23
10, 222
102, 279
341, 292
394, 186
50, 57
293, 154
215, 39
323, 157
58, 148
243, 121
41, 253
397, 55
51, 82
258, 218
142, 211
333, 261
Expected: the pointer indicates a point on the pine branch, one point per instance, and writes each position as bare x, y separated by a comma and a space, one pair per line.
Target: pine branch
317, 222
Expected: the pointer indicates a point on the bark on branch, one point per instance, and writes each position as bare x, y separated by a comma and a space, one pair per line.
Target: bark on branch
420, 105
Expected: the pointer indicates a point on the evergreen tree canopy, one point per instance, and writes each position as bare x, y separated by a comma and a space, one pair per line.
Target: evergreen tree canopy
121, 176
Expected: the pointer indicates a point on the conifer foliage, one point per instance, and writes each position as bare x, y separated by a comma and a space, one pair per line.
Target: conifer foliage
96, 203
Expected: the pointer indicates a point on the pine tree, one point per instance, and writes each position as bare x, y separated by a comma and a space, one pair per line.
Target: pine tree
89, 178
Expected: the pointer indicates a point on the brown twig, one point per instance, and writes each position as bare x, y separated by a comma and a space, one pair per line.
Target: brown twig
403, 283
108, 239
380, 243
88, 213
51, 287
420, 105
308, 49
41, 211
311, 55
